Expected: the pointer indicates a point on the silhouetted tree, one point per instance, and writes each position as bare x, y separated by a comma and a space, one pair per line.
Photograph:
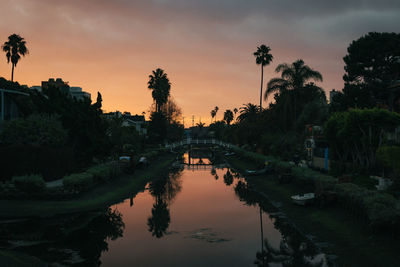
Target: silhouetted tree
293, 78
216, 111
228, 116
213, 113
248, 111
372, 65
263, 58
160, 86
14, 48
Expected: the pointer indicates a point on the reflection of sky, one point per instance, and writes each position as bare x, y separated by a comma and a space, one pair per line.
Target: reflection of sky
209, 227
204, 46
195, 160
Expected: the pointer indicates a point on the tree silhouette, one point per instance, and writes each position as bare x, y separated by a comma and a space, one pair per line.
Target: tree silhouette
216, 111
14, 48
228, 116
213, 113
293, 78
263, 58
248, 112
160, 86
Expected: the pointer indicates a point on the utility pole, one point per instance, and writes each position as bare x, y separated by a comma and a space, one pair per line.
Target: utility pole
183, 122
192, 120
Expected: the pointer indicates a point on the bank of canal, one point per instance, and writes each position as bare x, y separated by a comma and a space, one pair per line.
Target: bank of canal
338, 233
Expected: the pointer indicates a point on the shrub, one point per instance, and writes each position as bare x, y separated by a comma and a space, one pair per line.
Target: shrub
104, 172
78, 182
30, 184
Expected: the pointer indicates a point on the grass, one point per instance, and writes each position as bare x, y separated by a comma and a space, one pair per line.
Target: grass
11, 258
97, 198
350, 239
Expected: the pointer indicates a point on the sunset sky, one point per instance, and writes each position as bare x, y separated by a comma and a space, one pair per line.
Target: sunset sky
204, 46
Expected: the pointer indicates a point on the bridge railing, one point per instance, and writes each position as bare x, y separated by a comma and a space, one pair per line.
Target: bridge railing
190, 141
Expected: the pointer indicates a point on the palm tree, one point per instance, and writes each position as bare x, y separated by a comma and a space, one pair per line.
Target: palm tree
228, 116
235, 110
216, 111
213, 113
248, 111
263, 58
159, 83
15, 47
294, 77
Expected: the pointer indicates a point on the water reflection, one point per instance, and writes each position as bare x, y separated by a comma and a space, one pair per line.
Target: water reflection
294, 249
185, 217
164, 190
76, 239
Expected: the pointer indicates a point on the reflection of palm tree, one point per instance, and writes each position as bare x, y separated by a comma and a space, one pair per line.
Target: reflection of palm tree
213, 172
164, 191
228, 178
160, 218
288, 255
263, 58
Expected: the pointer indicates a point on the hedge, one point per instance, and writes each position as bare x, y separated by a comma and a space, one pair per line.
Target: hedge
381, 209
104, 172
78, 182
304, 175
30, 184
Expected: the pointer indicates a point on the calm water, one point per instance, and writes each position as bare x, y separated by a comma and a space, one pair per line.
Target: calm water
201, 222
193, 215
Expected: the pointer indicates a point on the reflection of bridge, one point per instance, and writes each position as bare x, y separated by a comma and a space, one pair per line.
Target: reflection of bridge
199, 167
200, 142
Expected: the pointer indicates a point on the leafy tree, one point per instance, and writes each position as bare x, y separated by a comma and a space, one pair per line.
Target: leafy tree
248, 112
37, 129
228, 116
372, 65
160, 86
294, 78
263, 58
358, 134
87, 129
14, 48
158, 126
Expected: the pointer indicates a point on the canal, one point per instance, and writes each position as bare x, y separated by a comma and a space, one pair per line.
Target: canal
193, 215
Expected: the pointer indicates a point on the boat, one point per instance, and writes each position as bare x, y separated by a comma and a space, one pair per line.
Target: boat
303, 199
256, 172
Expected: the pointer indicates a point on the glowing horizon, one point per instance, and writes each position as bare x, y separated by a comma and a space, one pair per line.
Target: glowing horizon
205, 47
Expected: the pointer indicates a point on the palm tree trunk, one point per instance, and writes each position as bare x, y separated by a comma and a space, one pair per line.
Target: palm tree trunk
12, 72
262, 76
262, 232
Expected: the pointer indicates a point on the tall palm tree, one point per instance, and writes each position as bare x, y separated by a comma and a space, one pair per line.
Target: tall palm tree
263, 58
294, 77
159, 83
15, 47
248, 111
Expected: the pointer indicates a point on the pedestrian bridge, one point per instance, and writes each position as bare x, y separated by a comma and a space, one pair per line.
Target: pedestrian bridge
200, 142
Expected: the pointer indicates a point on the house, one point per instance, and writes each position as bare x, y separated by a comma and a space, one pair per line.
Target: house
8, 107
73, 91
137, 121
